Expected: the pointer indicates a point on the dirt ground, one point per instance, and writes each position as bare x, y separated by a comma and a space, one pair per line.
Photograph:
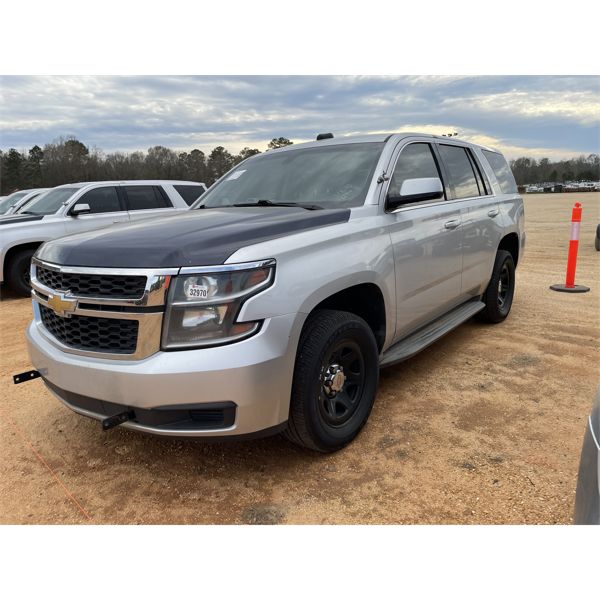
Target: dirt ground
485, 426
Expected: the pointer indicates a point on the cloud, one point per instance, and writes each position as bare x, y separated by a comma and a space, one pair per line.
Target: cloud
537, 116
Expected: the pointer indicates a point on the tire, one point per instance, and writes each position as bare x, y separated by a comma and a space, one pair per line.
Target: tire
18, 272
500, 291
328, 409
597, 240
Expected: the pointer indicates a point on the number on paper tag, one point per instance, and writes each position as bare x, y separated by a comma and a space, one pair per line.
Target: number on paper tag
197, 291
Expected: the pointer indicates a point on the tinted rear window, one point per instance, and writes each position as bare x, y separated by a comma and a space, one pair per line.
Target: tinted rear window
190, 193
460, 171
502, 172
144, 197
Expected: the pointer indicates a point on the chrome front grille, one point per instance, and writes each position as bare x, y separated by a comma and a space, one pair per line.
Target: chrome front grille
102, 312
115, 336
93, 286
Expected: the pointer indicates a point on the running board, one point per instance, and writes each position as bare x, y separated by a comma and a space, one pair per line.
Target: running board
424, 337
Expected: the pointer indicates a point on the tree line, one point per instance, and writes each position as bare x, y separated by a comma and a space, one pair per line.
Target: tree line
68, 160
529, 170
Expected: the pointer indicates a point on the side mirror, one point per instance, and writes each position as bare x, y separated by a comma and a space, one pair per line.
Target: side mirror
417, 190
80, 209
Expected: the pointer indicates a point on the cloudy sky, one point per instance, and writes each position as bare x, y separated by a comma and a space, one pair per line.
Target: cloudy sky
521, 115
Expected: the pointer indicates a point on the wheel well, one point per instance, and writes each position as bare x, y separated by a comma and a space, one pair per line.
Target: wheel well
364, 300
15, 249
510, 243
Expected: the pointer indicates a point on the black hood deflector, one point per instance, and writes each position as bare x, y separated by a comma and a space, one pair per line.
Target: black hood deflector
194, 238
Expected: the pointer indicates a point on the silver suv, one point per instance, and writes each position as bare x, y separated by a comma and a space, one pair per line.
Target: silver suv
273, 303
76, 207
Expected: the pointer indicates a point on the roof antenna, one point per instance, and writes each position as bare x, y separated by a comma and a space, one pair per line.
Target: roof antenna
324, 136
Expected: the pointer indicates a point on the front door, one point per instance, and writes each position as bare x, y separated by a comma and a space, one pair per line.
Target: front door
105, 209
426, 238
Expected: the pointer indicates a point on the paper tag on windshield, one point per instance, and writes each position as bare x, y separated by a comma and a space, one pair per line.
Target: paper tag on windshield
236, 175
197, 291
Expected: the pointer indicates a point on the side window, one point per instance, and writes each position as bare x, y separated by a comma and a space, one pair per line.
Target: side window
460, 171
482, 181
101, 200
415, 161
502, 172
190, 193
144, 197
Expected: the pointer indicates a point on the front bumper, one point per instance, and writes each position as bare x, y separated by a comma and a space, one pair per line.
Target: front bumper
255, 375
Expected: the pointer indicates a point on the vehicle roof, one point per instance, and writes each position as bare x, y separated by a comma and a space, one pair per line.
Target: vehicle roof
81, 184
376, 137
27, 191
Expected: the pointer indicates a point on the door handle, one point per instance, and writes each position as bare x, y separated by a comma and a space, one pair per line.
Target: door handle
452, 224
494, 212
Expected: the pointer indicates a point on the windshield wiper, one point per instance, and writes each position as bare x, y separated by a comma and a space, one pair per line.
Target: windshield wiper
265, 202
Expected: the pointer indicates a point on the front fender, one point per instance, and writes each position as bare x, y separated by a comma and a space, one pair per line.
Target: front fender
313, 266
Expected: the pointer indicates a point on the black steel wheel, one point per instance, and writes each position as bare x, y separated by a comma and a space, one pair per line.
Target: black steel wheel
342, 381
500, 292
504, 286
335, 381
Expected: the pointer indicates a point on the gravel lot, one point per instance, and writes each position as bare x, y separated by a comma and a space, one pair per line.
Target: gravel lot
485, 426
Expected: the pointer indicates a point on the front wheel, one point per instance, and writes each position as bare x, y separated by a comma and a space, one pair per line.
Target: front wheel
18, 273
499, 294
335, 381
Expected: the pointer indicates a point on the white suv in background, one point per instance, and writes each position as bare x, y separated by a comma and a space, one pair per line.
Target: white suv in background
17, 200
78, 207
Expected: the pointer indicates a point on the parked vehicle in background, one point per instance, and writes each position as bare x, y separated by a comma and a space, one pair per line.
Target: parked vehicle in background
77, 207
12, 203
587, 496
272, 305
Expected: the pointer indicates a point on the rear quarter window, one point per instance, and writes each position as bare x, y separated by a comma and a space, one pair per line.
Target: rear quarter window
190, 193
502, 171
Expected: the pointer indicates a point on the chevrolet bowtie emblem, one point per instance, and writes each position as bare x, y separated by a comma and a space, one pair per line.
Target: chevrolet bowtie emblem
61, 306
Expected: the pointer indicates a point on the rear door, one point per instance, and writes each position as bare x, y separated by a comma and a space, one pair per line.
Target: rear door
481, 229
426, 238
144, 201
106, 208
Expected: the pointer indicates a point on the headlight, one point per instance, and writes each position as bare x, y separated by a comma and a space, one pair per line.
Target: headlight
202, 307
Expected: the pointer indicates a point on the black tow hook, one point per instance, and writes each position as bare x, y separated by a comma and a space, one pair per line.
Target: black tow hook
117, 419
27, 376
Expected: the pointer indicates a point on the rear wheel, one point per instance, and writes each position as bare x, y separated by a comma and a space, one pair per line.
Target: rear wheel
499, 294
335, 381
18, 272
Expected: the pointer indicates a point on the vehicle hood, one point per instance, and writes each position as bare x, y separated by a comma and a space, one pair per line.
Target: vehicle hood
196, 237
13, 219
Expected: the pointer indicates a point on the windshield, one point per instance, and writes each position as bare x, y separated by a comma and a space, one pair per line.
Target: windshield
48, 203
7, 202
336, 176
